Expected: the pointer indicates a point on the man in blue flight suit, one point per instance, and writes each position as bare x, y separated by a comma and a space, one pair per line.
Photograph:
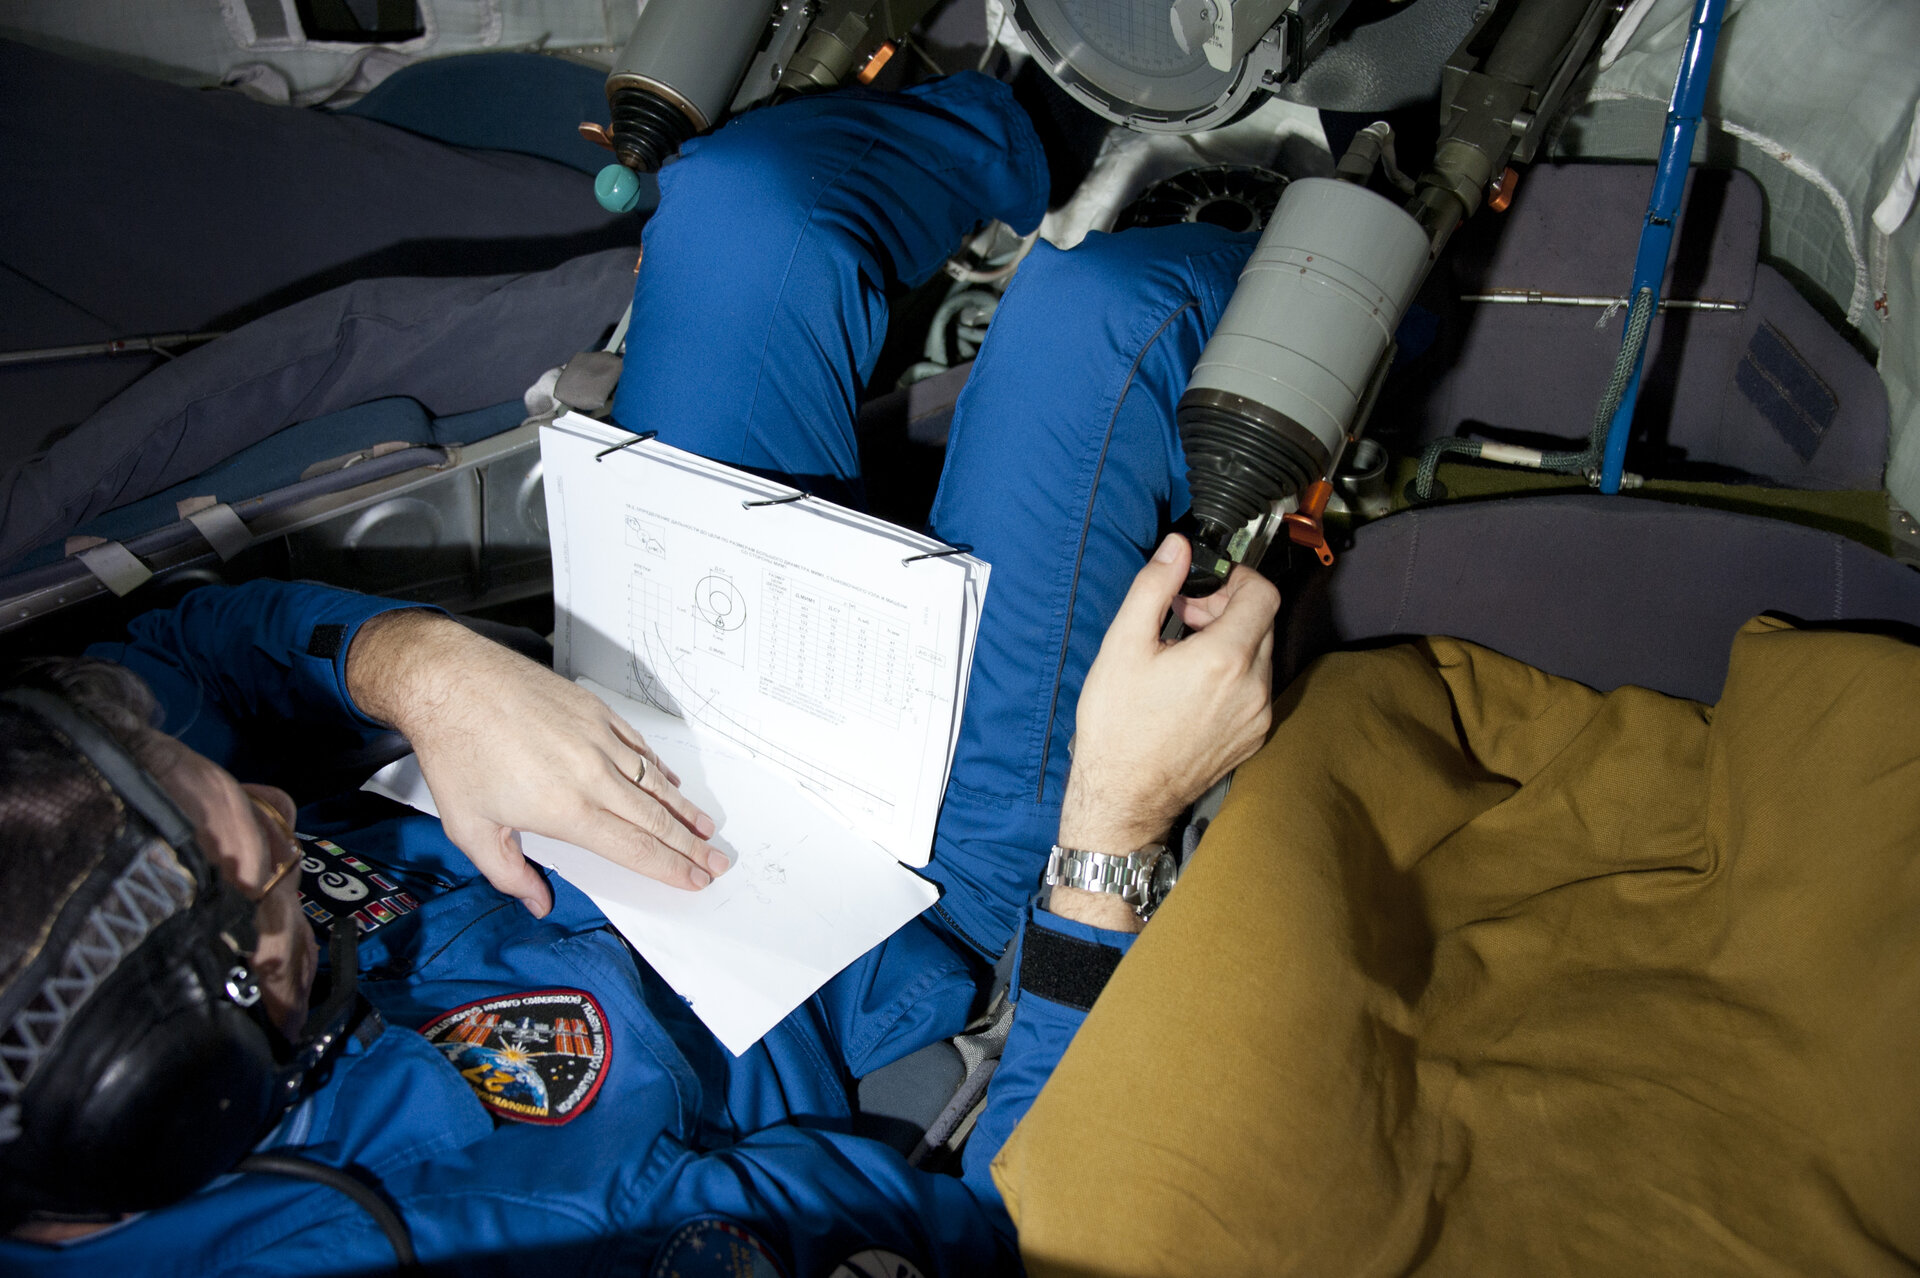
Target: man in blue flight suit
531, 1088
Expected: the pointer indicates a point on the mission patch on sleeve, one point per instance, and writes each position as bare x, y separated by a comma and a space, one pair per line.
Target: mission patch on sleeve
713, 1248
537, 1057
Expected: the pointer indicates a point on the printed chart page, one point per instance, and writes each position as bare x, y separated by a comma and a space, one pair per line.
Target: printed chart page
805, 897
825, 644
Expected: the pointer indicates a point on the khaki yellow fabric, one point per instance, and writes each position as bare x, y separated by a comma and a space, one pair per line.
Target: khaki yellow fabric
1483, 972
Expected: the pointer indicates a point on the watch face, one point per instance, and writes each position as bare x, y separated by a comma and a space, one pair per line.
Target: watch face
1165, 871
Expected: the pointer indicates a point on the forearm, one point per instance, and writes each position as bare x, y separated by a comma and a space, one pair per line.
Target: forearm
1117, 823
1103, 910
401, 665
232, 666
1137, 765
1048, 1013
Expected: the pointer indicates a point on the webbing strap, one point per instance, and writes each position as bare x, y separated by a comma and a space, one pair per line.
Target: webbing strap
224, 530
118, 568
980, 1051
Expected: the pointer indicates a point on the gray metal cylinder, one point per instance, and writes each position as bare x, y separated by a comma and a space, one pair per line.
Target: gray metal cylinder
1314, 311
692, 53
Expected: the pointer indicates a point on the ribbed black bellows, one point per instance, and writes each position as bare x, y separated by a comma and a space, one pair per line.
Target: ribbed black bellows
647, 129
1236, 468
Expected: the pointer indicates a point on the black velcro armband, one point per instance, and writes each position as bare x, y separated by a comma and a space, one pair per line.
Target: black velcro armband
326, 640
1064, 969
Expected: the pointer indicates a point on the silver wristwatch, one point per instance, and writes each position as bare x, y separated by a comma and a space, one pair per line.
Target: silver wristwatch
1142, 879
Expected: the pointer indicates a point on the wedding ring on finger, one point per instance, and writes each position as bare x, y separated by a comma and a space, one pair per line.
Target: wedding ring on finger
640, 777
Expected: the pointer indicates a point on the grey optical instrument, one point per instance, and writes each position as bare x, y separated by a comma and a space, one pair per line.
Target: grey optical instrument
1300, 343
679, 72
691, 63
1290, 373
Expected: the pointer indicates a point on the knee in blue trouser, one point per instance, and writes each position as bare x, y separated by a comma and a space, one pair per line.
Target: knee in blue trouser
1111, 325
905, 174
760, 306
1063, 467
1124, 274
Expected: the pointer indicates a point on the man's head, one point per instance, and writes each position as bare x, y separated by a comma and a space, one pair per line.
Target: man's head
154, 962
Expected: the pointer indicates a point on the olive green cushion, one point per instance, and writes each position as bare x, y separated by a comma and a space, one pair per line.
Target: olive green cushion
1481, 971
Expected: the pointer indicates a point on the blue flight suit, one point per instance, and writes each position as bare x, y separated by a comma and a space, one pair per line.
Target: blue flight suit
758, 316
679, 1129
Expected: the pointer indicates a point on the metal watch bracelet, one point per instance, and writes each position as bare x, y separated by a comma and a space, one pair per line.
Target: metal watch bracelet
1131, 876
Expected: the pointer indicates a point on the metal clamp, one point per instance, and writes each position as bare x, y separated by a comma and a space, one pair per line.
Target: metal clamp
224, 530
118, 568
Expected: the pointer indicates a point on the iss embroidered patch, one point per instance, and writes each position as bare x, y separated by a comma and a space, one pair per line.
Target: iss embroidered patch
537, 1057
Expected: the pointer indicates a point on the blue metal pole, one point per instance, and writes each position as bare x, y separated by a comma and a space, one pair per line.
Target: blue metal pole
1656, 234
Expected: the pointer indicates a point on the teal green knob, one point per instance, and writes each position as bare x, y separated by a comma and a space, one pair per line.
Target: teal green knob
617, 188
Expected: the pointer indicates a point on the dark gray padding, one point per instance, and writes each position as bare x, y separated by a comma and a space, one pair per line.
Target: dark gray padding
1772, 393
1605, 590
899, 1101
129, 207
452, 344
1574, 228
922, 411
531, 103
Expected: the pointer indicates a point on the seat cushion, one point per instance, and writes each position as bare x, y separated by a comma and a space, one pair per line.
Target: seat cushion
131, 207
1605, 590
1768, 392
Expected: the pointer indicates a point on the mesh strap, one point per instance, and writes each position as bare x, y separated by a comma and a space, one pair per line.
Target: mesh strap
1587, 461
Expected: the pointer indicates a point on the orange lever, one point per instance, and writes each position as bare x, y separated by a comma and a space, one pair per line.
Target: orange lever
1304, 527
1502, 193
880, 58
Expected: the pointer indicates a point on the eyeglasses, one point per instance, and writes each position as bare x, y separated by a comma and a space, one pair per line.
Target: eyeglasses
286, 866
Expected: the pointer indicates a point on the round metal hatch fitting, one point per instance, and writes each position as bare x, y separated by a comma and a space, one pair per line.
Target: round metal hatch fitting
1119, 59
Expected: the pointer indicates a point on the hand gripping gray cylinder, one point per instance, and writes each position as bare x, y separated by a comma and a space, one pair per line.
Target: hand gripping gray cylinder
1275, 392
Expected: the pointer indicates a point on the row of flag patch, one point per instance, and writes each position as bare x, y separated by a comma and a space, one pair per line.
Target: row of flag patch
373, 915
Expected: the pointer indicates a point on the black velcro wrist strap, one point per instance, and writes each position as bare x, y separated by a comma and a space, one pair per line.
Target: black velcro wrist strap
326, 640
1064, 969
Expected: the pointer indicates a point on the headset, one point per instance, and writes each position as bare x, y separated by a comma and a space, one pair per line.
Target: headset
136, 1060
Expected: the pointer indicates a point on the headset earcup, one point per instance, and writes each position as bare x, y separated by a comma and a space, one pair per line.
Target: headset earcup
159, 1085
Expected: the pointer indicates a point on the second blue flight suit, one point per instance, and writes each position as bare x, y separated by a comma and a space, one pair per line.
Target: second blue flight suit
758, 317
